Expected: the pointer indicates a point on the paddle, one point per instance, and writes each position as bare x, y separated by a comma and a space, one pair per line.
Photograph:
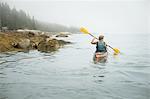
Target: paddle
85, 31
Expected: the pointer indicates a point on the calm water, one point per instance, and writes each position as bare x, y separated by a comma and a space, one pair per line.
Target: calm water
71, 74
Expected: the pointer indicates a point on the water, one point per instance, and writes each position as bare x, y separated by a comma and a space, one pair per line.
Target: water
71, 74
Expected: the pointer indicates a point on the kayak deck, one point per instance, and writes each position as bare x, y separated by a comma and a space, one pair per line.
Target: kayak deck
100, 57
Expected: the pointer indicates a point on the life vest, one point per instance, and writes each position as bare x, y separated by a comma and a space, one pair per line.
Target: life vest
100, 47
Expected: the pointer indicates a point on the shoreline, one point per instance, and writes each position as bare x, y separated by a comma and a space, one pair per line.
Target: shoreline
20, 42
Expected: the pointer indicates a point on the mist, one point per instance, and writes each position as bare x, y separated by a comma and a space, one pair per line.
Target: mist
108, 16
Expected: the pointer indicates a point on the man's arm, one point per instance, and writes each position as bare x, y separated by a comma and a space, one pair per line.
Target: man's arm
105, 44
94, 41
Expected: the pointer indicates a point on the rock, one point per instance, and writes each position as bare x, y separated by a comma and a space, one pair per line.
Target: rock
47, 39
35, 41
48, 46
61, 42
14, 44
63, 34
3, 48
24, 44
22, 41
31, 34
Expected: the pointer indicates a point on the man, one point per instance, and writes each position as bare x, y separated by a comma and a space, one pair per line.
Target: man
101, 48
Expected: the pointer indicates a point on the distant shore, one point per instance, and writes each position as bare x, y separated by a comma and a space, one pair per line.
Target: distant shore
25, 41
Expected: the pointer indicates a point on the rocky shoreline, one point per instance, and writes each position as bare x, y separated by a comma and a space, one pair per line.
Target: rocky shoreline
14, 41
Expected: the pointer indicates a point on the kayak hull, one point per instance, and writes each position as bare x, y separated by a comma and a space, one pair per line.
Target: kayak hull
100, 57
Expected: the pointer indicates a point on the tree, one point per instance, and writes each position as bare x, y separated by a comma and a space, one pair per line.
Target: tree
14, 19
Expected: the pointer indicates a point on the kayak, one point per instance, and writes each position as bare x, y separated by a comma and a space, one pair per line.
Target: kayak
100, 57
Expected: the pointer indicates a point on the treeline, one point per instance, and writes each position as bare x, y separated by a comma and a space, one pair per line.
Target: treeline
17, 19
52, 27
14, 19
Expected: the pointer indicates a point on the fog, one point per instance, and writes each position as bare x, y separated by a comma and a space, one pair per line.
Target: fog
109, 16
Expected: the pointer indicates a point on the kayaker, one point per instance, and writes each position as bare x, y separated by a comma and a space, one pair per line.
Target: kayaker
101, 48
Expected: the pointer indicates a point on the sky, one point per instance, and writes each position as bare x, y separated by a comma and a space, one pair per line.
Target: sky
109, 16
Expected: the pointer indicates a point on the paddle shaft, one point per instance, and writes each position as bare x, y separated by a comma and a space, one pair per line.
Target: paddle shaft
110, 46
93, 36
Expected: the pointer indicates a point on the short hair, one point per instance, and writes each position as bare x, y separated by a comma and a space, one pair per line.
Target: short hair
101, 37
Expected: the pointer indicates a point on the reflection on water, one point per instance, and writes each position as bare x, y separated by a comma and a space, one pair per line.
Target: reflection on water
70, 72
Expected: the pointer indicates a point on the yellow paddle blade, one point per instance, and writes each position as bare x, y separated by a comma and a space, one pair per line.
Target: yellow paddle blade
116, 51
84, 30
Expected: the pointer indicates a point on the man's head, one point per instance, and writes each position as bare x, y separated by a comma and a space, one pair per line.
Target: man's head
101, 37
